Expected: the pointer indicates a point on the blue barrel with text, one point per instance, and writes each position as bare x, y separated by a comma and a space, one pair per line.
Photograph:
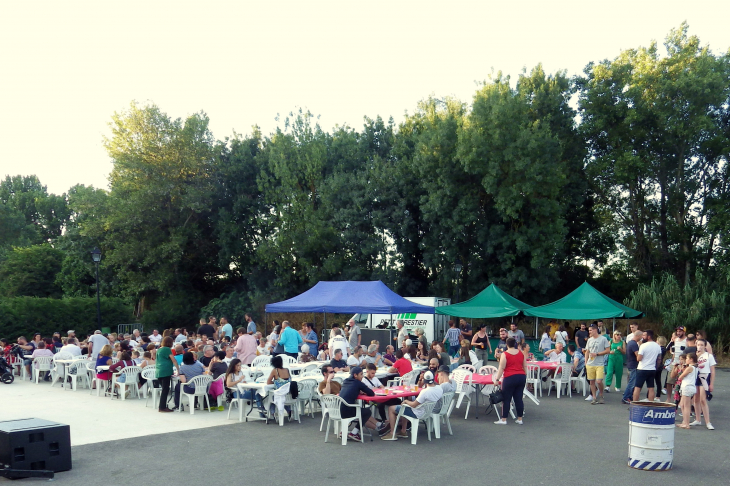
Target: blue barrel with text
651, 435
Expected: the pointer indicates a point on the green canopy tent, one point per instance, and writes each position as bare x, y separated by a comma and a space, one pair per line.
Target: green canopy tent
490, 302
585, 302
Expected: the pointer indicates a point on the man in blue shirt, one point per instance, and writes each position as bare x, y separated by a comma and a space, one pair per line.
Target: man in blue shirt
310, 337
290, 339
227, 329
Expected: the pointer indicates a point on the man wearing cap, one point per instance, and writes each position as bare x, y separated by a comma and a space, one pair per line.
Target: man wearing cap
351, 388
96, 342
677, 346
432, 393
597, 348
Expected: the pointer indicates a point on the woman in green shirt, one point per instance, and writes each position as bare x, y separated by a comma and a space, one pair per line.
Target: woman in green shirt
164, 368
616, 361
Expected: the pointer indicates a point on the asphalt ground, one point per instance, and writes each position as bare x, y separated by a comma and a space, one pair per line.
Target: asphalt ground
562, 441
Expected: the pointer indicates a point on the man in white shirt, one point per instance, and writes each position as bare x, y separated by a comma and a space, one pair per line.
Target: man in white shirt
356, 358
647, 357
633, 327
96, 342
337, 341
432, 393
156, 337
556, 355
72, 348
136, 336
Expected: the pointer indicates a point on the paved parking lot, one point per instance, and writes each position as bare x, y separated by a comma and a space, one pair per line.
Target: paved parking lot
563, 441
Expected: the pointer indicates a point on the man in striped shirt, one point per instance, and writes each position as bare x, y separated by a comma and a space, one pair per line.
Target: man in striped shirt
452, 336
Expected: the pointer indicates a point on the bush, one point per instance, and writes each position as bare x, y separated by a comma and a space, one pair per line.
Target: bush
26, 315
177, 310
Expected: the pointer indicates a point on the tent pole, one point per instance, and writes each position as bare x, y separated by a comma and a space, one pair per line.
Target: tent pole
536, 334
614, 325
266, 322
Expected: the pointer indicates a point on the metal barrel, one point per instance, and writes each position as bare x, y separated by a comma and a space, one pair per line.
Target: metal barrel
651, 435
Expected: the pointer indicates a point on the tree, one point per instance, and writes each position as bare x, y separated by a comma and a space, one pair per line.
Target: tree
657, 148
45, 214
158, 232
31, 271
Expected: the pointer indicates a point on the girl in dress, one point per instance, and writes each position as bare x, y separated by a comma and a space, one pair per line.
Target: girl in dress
705, 383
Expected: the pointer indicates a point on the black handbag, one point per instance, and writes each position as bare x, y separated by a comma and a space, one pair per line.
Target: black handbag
496, 397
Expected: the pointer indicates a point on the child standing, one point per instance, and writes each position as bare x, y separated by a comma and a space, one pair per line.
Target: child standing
688, 388
676, 371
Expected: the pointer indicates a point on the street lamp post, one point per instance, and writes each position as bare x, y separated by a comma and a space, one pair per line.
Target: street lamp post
457, 269
96, 257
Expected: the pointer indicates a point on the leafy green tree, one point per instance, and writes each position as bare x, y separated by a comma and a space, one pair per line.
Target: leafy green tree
158, 232
31, 271
45, 214
657, 145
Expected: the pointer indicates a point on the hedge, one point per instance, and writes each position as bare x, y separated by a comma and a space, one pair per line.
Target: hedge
27, 315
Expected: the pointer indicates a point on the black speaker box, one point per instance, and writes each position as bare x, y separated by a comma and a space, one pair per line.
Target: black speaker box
35, 444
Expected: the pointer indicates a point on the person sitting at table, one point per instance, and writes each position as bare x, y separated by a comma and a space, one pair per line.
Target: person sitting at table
556, 355
178, 352
305, 357
279, 377
328, 386
217, 367
443, 356
189, 370
261, 350
356, 359
433, 367
372, 356
525, 348
42, 350
431, 393
208, 353
351, 388
401, 365
338, 363
234, 376
407, 344
445, 382
104, 359
117, 367
421, 353
513, 366
324, 353
389, 356
464, 357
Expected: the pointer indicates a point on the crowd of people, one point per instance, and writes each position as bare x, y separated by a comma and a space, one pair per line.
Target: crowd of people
216, 349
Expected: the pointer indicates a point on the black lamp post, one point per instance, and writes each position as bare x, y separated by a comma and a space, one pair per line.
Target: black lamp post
96, 257
457, 269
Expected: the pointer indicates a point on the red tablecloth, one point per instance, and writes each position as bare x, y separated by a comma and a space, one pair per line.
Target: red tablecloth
478, 379
381, 397
546, 365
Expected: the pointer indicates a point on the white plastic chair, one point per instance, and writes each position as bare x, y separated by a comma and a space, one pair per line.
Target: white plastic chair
478, 364
307, 388
467, 367
473, 356
280, 412
261, 361
314, 373
220, 398
149, 373
200, 383
464, 389
58, 370
130, 380
41, 364
410, 378
77, 372
443, 414
309, 368
534, 377
332, 404
580, 380
562, 378
287, 360
487, 370
427, 418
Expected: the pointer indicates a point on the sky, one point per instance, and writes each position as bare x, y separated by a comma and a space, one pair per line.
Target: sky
67, 67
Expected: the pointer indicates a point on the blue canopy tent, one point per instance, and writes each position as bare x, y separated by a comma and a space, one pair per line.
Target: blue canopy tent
349, 296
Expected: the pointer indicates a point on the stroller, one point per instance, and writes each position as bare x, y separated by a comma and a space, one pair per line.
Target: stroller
6, 372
